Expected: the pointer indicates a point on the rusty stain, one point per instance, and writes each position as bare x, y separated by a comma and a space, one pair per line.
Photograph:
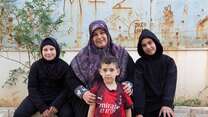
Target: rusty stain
177, 38
202, 29
1, 27
10, 29
120, 5
167, 24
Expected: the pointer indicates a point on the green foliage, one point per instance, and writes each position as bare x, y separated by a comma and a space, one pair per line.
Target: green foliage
34, 22
188, 102
13, 76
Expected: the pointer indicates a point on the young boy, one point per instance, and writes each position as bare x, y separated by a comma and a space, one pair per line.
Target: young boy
155, 79
111, 101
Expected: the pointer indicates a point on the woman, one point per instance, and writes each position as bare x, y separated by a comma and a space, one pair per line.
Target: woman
155, 79
86, 63
46, 84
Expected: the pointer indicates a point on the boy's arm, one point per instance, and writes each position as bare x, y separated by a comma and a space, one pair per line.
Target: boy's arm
91, 111
128, 112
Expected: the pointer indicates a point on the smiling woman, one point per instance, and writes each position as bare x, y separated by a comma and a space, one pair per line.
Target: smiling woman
46, 84
85, 66
49, 52
100, 38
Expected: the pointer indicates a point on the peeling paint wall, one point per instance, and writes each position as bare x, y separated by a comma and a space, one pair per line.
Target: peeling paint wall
178, 23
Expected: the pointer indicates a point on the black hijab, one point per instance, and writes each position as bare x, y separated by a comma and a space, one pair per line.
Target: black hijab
56, 68
148, 34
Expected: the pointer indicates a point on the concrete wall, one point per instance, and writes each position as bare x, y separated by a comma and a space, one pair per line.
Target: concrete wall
192, 74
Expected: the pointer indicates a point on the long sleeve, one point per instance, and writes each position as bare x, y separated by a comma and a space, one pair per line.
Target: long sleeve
64, 94
75, 84
139, 91
130, 70
170, 84
34, 94
61, 99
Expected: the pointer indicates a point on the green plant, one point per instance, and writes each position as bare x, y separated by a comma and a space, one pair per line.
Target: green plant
34, 21
188, 102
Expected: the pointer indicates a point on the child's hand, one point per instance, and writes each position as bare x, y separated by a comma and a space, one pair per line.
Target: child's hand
89, 97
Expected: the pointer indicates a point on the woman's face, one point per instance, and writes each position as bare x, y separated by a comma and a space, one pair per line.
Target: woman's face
148, 46
100, 38
49, 52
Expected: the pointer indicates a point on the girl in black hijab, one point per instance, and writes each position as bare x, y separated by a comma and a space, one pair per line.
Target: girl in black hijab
155, 79
46, 84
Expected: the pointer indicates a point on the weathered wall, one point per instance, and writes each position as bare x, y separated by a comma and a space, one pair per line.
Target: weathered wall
178, 23
192, 74
181, 25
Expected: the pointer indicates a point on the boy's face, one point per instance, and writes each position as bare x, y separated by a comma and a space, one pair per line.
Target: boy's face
109, 72
148, 46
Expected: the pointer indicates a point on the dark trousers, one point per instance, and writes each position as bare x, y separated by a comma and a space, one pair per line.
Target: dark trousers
80, 108
27, 109
153, 114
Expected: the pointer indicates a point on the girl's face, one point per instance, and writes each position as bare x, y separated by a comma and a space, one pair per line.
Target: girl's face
49, 52
148, 46
100, 38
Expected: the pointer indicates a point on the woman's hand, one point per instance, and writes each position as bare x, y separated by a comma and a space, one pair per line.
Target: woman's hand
89, 97
46, 113
53, 110
166, 111
127, 87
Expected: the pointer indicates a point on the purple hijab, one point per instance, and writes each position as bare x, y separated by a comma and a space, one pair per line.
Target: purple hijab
86, 62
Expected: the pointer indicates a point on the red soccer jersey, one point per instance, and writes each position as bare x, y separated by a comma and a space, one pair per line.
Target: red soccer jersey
111, 103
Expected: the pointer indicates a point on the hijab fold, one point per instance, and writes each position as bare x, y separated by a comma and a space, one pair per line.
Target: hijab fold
86, 62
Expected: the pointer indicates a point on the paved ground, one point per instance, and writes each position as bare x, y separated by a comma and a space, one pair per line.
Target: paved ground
181, 111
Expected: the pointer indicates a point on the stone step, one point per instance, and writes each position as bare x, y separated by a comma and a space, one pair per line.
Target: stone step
181, 111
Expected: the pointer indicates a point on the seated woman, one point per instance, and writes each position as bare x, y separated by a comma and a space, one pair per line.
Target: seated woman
46, 84
155, 79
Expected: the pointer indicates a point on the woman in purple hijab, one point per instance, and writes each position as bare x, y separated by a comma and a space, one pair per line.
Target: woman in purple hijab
86, 63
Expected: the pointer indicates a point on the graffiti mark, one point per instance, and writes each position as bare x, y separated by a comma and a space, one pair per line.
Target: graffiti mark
117, 23
95, 2
120, 5
135, 29
202, 29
